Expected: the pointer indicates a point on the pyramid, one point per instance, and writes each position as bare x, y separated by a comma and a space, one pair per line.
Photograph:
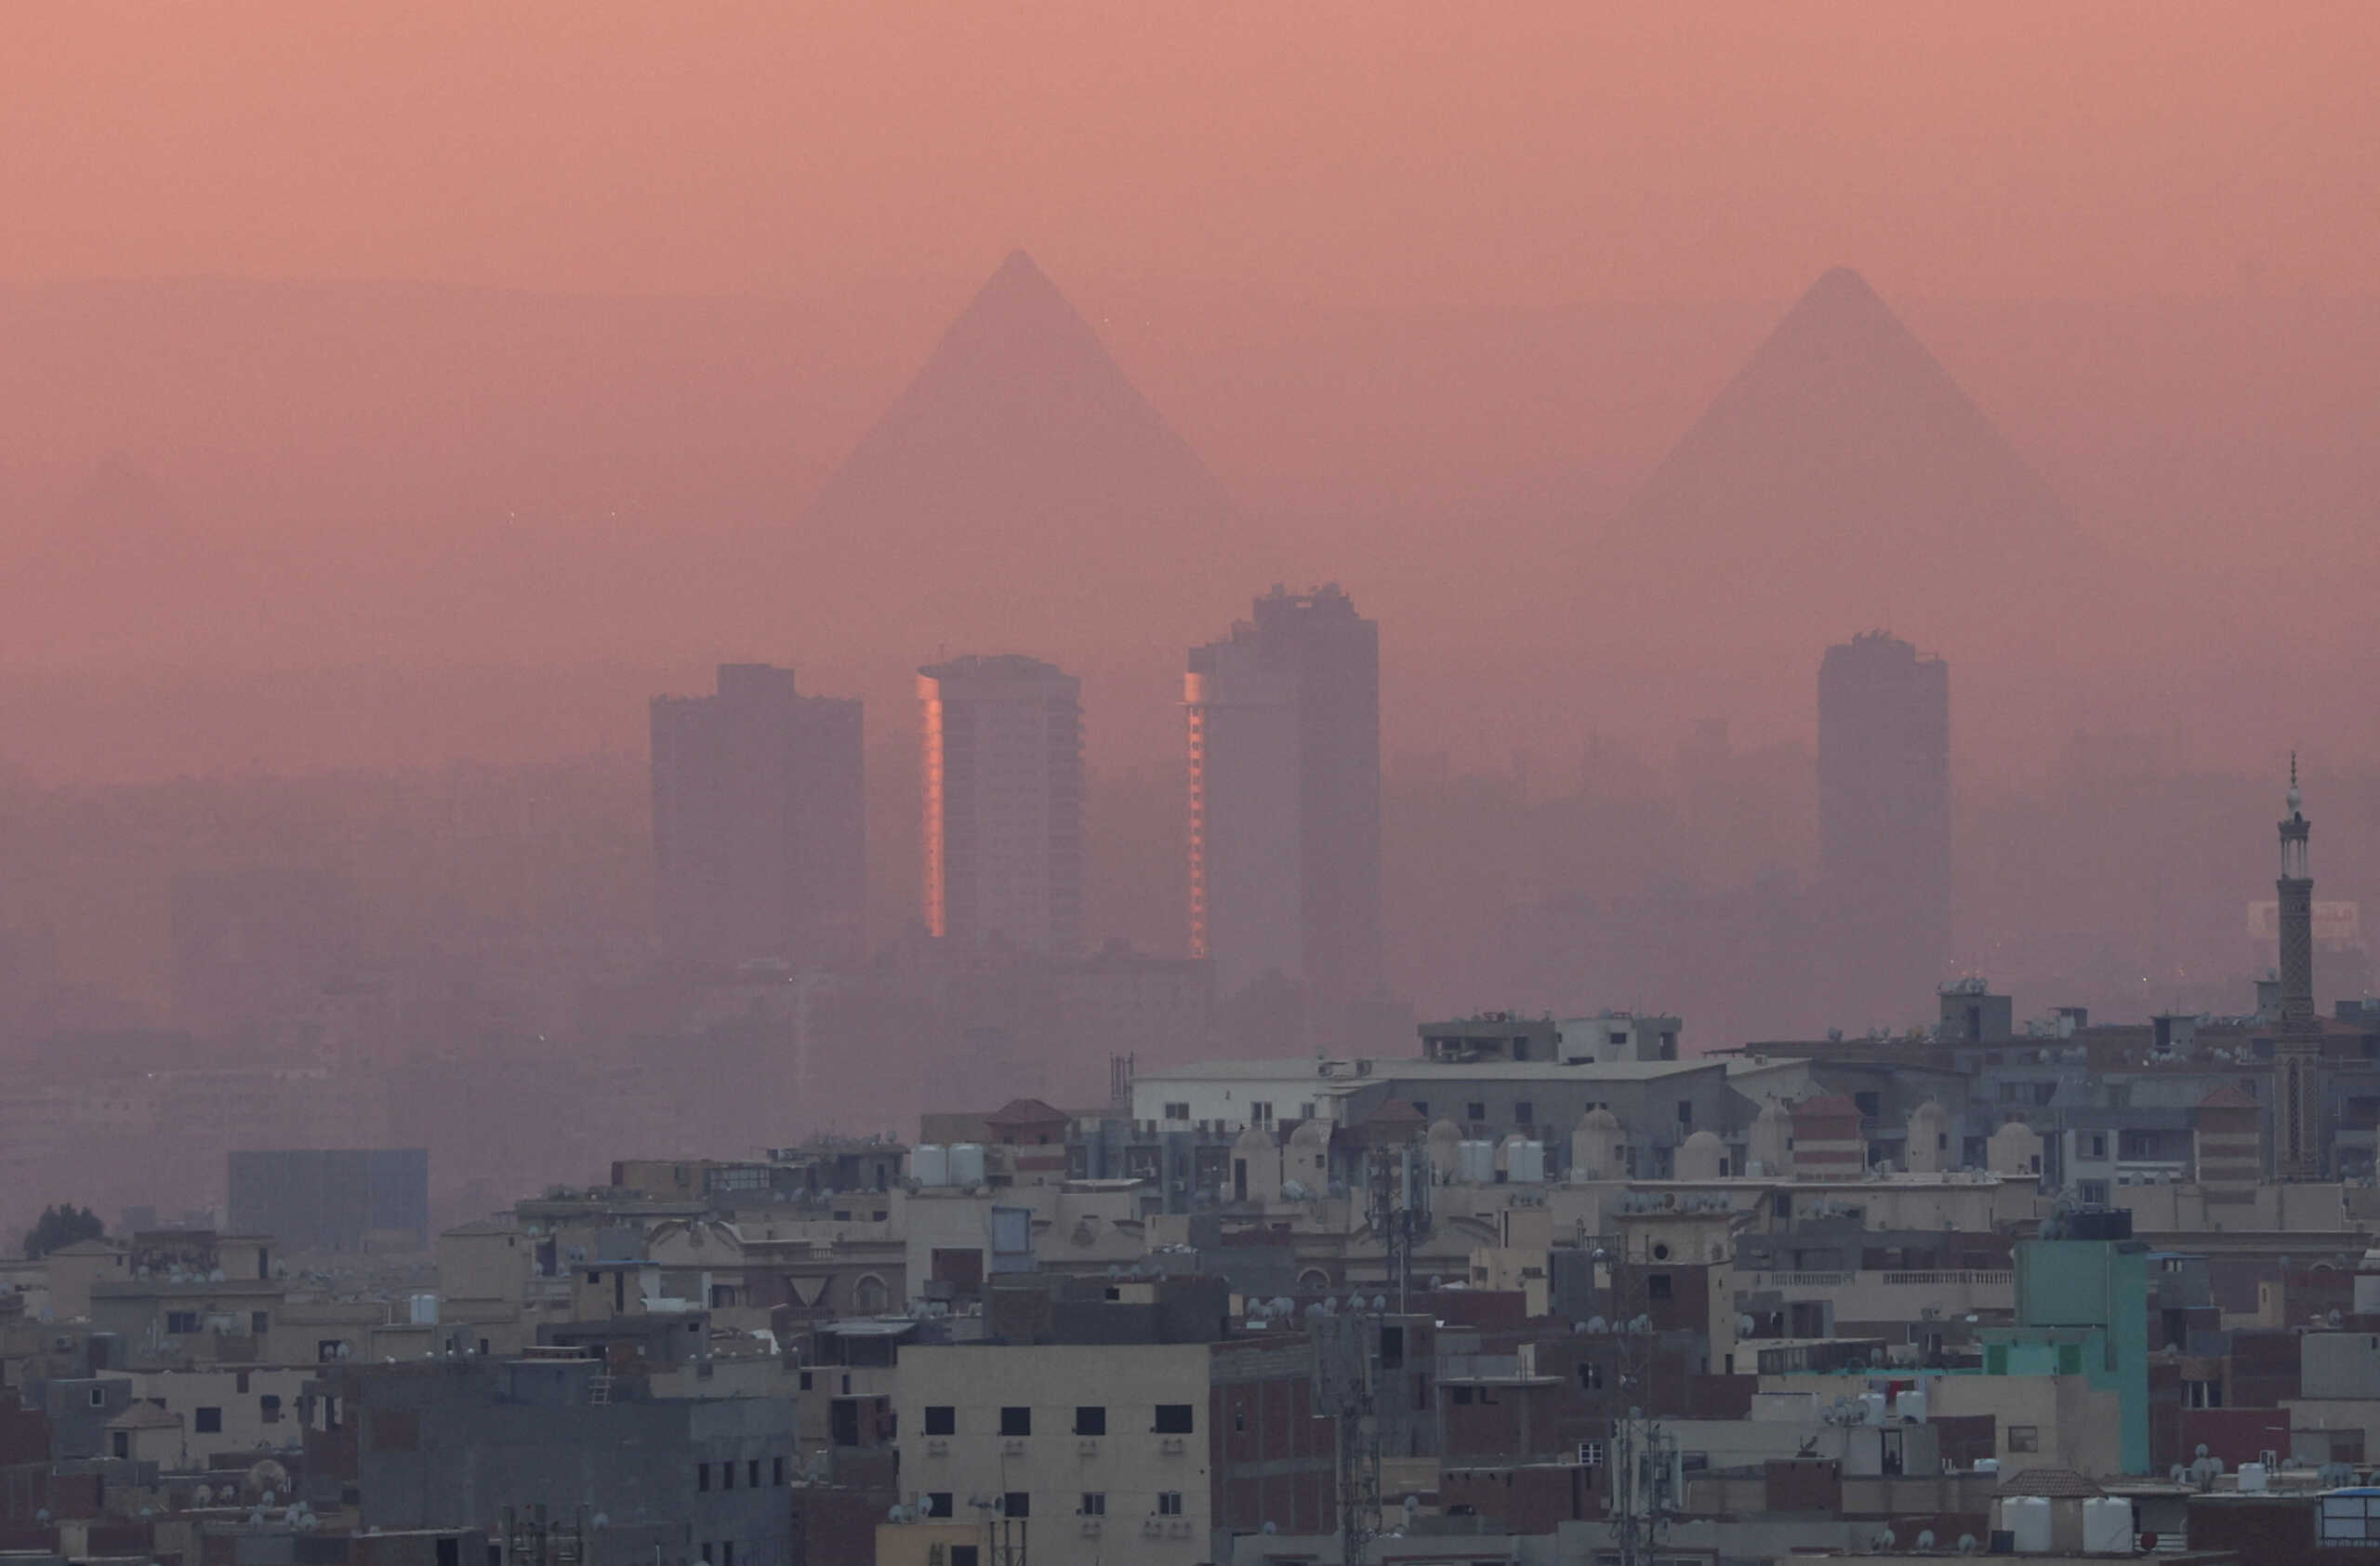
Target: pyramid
1019, 495
1842, 479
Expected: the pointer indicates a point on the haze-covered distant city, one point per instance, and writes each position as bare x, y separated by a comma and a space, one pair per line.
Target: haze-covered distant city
596, 592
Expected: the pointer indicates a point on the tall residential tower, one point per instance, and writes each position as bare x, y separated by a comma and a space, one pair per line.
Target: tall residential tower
1884, 827
759, 822
1284, 753
1003, 803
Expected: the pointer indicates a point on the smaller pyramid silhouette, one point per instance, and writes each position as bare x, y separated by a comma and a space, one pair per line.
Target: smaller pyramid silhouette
1843, 474
1017, 482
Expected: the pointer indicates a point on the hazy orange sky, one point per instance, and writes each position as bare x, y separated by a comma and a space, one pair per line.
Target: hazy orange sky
1362, 153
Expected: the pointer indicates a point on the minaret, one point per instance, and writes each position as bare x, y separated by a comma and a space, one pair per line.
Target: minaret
2297, 1047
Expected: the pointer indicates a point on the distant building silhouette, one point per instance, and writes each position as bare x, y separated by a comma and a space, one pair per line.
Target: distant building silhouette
1003, 803
1883, 827
1284, 756
758, 822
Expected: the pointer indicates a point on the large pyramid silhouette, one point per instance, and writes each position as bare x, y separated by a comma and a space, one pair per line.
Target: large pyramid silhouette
1020, 494
1841, 478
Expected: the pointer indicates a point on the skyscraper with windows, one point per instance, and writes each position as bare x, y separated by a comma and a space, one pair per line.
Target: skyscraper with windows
1284, 791
1884, 827
759, 822
1003, 803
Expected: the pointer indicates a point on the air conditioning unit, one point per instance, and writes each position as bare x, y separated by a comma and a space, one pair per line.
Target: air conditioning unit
1014, 1446
937, 1446
1088, 1446
1151, 1527
1171, 1443
1091, 1528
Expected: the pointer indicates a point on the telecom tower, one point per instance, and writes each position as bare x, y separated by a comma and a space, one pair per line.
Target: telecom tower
2298, 1050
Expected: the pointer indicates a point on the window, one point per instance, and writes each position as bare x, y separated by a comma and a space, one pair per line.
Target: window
1590, 1454
260, 1323
2098, 1146
208, 1421
702, 1478
329, 1348
2093, 1192
1657, 1285
2203, 1394
1016, 1503
1260, 1112
937, 1504
123, 1443
727, 1474
1461, 1395
1094, 1503
1177, 1111
1524, 1113
1091, 1419
707, 1552
1169, 1503
1172, 1419
941, 1420
1392, 1348
2024, 1438
1780, 1205
1016, 1422
966, 1555
805, 1378
1686, 1111
1591, 1376
727, 1552
1478, 1111
180, 1323
776, 1470
98, 1397
268, 1409
1421, 1108
752, 1474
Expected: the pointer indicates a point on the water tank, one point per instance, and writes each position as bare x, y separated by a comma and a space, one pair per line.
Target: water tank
1910, 1405
967, 1164
1524, 1162
1987, 1465
2106, 1526
2252, 1476
1872, 1407
1476, 1162
2026, 1519
930, 1164
425, 1310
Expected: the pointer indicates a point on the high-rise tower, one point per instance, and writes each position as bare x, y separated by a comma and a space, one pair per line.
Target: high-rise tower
1003, 803
1284, 757
2297, 1047
759, 831
1883, 827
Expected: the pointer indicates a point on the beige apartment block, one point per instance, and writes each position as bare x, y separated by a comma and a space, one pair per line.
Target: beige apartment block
1105, 1445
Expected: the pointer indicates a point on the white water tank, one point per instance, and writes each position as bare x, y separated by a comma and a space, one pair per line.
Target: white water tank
2106, 1526
1910, 1405
967, 1164
1987, 1465
1524, 1162
2252, 1476
2026, 1519
930, 1163
1476, 1162
1872, 1407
